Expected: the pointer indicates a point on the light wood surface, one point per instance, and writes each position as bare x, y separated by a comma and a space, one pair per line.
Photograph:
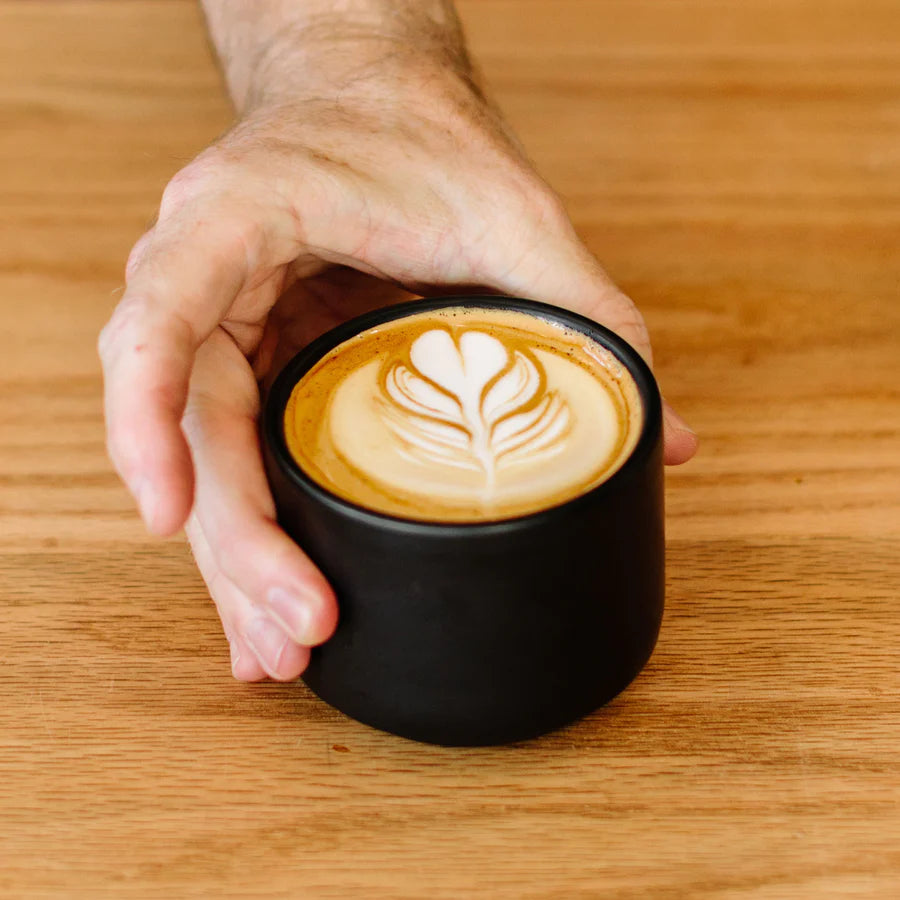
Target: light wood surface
737, 168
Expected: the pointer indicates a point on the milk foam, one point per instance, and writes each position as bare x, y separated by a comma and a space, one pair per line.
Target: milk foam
474, 404
463, 415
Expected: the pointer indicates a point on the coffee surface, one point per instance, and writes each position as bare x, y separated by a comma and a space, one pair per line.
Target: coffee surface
464, 414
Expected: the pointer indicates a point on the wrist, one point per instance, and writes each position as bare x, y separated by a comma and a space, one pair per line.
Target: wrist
276, 50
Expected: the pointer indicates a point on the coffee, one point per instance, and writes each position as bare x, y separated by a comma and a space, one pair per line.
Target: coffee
463, 414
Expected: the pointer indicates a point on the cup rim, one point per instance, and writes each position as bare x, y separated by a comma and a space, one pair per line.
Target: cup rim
272, 419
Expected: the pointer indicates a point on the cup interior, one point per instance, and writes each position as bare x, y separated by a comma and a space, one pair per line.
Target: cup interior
276, 402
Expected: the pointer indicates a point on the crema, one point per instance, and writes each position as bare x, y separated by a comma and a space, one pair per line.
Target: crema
463, 414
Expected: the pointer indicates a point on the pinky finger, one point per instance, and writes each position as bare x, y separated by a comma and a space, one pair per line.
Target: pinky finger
259, 647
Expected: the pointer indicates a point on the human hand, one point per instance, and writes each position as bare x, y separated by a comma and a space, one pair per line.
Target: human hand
391, 178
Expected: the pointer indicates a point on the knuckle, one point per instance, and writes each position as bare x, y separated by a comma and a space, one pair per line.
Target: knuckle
114, 331
230, 548
200, 178
196, 417
136, 255
176, 193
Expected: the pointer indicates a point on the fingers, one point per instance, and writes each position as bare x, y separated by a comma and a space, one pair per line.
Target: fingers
271, 589
146, 360
680, 440
182, 277
258, 647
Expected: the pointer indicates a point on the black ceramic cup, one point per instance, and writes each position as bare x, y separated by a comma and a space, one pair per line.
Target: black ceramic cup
473, 634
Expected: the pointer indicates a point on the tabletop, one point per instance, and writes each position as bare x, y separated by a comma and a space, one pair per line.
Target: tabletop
736, 167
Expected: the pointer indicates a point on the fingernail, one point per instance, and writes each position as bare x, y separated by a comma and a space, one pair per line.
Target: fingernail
292, 612
235, 655
267, 641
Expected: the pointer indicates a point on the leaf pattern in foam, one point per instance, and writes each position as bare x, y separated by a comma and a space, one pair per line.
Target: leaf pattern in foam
473, 404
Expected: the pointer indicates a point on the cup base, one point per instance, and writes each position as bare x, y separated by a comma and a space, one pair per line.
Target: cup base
434, 727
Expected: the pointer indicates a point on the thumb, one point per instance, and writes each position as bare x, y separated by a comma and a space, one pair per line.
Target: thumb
178, 289
554, 266
560, 270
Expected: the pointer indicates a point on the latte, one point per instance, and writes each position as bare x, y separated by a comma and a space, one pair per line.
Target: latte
463, 414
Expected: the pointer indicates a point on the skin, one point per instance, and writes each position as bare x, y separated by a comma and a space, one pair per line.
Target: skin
366, 166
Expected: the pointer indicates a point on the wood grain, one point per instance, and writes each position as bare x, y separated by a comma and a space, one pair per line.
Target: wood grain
737, 168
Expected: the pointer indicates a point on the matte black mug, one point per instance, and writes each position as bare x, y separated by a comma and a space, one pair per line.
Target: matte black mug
486, 633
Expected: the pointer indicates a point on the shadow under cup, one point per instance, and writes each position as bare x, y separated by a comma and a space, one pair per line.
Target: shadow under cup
485, 633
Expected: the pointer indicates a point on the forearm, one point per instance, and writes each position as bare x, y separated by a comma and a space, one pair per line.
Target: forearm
272, 49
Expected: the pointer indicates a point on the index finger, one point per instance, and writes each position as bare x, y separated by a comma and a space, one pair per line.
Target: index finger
178, 291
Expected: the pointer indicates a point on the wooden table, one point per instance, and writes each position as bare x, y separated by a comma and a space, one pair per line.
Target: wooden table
737, 168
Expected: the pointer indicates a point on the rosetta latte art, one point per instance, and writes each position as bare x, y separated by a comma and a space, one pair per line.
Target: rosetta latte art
473, 404
463, 414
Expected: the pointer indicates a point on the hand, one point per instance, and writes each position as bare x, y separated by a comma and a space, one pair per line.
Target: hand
310, 211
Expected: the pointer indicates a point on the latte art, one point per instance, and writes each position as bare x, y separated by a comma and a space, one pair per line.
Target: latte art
463, 414
473, 405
